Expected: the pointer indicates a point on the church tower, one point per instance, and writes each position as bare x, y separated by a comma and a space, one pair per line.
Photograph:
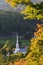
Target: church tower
17, 49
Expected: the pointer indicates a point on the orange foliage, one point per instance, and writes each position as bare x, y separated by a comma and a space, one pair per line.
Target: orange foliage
20, 62
10, 63
39, 30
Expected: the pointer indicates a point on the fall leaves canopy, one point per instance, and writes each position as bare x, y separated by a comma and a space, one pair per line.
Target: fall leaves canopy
31, 11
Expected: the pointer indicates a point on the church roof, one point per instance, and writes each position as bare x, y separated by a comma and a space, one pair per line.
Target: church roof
23, 50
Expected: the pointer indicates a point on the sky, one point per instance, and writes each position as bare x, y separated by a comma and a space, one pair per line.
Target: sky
36, 1
6, 6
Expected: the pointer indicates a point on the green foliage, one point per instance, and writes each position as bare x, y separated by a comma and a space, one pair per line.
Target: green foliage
7, 45
16, 57
3, 60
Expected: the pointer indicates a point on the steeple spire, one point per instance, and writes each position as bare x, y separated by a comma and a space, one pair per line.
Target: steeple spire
17, 49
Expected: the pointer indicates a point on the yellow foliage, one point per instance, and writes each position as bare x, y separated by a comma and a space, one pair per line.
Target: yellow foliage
11, 2
30, 11
26, 1
41, 60
35, 56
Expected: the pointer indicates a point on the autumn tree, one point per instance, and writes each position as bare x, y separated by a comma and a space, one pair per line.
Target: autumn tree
35, 56
31, 11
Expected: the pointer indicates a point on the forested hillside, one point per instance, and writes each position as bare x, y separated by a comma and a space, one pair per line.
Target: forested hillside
14, 22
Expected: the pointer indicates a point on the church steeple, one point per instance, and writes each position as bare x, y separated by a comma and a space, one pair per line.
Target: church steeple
17, 49
17, 44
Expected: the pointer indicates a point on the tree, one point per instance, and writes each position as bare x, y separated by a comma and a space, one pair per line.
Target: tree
16, 2
3, 60
35, 56
31, 11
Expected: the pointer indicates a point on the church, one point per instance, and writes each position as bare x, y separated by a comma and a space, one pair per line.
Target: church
17, 49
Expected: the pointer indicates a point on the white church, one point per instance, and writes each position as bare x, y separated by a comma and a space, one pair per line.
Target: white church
17, 49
